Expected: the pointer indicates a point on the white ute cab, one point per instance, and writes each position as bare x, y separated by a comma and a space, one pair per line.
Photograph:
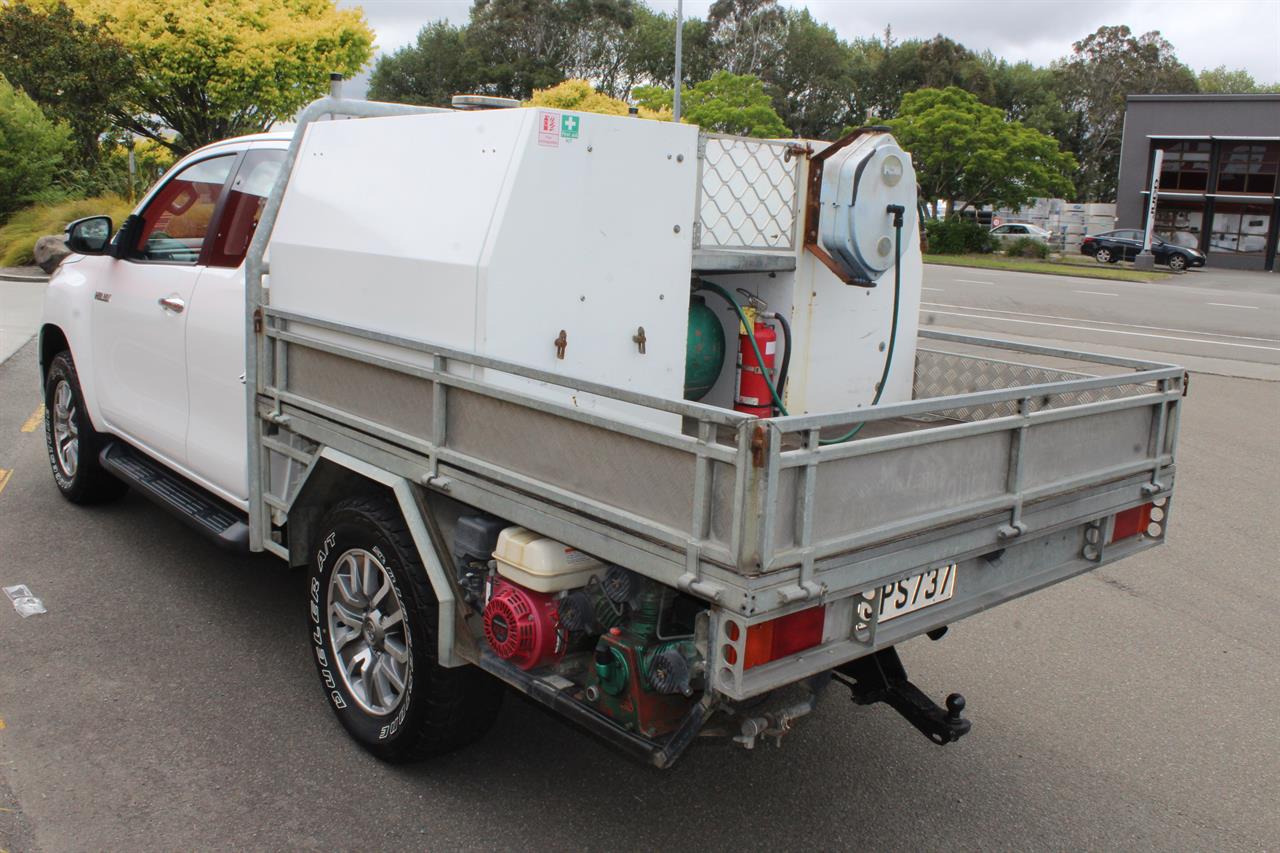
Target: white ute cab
634, 419
155, 325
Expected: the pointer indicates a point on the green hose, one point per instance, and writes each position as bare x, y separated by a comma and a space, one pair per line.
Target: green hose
888, 358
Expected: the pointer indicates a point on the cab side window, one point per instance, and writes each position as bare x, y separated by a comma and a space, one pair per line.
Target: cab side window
177, 222
245, 201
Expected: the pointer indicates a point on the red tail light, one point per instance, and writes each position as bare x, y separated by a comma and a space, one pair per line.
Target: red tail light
1087, 240
784, 636
1131, 522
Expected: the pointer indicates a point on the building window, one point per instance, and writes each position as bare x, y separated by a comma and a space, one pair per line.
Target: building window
1180, 224
1186, 165
1249, 167
1240, 229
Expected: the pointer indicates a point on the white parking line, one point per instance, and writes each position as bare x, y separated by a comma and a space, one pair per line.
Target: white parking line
971, 281
1105, 331
1103, 322
1231, 305
1094, 293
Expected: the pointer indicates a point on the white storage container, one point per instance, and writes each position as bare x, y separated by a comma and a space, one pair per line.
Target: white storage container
541, 564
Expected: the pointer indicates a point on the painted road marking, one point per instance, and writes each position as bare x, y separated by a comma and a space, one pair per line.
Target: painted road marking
934, 289
1, 724
4, 478
1232, 305
35, 420
1106, 331
1094, 293
971, 281
1104, 322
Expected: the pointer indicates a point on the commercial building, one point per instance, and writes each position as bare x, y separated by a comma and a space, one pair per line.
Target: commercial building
1219, 189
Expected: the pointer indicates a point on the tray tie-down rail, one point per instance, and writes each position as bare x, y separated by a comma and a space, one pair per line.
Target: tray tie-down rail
881, 677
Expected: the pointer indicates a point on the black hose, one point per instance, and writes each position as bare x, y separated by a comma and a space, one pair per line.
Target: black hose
897, 211
786, 353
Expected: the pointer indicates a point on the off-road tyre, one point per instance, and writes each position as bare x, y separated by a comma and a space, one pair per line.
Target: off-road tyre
89, 482
441, 709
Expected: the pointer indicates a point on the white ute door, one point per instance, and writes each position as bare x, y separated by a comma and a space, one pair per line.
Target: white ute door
217, 445
140, 311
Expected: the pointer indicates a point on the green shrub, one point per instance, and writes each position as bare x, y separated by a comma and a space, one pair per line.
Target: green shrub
18, 236
1026, 247
31, 148
957, 237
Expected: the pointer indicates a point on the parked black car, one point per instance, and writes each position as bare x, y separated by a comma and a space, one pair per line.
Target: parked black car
1109, 247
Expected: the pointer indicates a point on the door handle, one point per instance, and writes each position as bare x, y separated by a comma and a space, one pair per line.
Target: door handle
172, 303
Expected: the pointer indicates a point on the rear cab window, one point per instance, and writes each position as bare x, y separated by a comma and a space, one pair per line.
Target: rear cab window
246, 199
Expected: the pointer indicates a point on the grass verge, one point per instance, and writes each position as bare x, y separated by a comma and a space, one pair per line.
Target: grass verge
1093, 270
18, 236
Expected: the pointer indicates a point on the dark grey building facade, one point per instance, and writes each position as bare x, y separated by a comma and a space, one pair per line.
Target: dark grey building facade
1220, 182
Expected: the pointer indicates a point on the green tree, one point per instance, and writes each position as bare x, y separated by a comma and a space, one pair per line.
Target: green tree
206, 71
32, 148
1027, 94
1220, 81
534, 44
437, 66
747, 36
1105, 67
811, 83
71, 69
965, 151
943, 62
727, 103
883, 70
578, 95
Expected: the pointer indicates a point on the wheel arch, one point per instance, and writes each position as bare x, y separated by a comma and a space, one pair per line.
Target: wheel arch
51, 340
337, 475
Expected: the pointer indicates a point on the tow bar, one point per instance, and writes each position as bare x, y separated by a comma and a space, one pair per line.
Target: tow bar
881, 677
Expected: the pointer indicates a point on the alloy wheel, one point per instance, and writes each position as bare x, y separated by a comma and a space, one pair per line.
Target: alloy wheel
66, 434
367, 633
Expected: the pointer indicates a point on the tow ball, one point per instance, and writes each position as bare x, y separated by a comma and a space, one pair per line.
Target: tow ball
881, 677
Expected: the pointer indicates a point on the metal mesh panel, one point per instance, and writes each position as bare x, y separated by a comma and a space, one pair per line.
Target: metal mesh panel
747, 193
944, 374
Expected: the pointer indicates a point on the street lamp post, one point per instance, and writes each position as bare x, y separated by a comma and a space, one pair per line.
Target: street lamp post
675, 91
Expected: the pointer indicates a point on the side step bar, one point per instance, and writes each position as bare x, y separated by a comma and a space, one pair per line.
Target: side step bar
202, 511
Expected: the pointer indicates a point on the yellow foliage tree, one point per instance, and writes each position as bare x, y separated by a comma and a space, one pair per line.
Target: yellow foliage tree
210, 69
581, 96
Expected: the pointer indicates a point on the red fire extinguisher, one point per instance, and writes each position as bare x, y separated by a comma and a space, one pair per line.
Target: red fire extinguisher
753, 397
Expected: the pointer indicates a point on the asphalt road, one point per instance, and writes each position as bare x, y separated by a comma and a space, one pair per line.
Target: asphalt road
167, 699
1191, 318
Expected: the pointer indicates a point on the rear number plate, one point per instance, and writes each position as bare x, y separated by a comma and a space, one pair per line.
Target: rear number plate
917, 592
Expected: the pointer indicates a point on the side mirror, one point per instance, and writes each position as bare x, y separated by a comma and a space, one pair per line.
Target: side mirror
89, 236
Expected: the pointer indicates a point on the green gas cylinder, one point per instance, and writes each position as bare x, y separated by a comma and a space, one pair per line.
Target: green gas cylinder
704, 357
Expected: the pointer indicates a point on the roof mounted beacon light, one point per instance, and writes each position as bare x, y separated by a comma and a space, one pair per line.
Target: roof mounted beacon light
859, 182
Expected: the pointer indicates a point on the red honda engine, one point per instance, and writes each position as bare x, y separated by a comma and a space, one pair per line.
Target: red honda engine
523, 626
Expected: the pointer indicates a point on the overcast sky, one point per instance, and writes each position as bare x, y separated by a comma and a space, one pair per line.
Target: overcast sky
1205, 33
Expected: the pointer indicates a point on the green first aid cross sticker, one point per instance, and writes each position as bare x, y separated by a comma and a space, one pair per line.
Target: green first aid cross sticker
569, 126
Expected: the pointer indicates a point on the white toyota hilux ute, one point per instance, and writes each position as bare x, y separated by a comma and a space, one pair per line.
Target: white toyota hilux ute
485, 375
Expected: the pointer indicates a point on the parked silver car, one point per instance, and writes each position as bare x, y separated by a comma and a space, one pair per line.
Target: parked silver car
1011, 231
